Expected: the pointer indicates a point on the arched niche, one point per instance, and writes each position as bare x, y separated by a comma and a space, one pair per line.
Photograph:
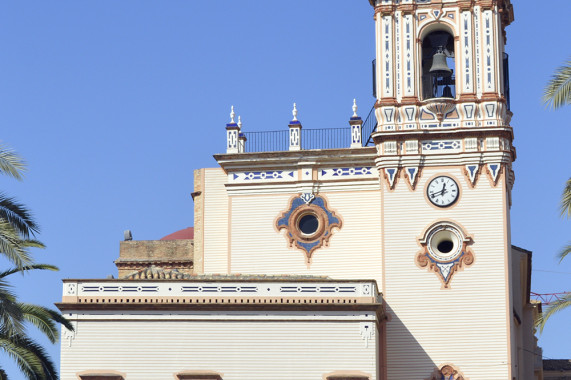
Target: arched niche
438, 66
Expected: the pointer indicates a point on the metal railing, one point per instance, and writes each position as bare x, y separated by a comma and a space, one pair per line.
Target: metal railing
506, 64
321, 138
267, 141
369, 126
325, 138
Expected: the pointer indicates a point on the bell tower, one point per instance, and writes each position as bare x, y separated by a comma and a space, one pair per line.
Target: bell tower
444, 154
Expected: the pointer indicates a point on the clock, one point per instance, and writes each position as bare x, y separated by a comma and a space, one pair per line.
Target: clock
442, 191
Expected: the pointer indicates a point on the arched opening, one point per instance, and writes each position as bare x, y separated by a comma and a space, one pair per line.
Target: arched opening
438, 79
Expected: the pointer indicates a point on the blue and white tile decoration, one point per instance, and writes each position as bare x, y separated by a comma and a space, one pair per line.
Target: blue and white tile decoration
436, 146
263, 176
356, 172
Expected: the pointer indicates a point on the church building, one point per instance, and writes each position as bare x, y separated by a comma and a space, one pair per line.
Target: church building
380, 251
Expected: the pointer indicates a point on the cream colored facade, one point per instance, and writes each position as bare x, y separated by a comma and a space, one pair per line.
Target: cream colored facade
392, 261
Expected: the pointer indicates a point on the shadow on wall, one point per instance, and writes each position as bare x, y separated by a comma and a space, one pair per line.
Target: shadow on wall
403, 357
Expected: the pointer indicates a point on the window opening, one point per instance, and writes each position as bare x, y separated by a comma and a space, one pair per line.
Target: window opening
438, 80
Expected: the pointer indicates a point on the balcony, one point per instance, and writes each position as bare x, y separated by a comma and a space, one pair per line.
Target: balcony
354, 136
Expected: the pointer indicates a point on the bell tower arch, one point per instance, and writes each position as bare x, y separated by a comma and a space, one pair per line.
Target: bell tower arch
444, 154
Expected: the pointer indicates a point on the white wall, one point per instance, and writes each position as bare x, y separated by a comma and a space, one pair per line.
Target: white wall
156, 349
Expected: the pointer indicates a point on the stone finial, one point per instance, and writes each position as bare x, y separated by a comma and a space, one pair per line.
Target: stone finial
354, 107
239, 122
232, 115
294, 112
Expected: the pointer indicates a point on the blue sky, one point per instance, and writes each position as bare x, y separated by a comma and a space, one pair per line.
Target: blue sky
114, 103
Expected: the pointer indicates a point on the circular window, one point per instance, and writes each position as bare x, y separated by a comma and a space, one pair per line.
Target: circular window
308, 224
445, 244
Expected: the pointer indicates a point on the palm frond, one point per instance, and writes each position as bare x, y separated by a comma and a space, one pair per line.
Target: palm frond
557, 93
566, 200
11, 164
45, 320
555, 307
41, 318
12, 246
11, 318
31, 358
28, 268
18, 216
564, 252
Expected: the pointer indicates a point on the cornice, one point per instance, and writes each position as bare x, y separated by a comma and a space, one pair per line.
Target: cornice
253, 161
260, 304
505, 8
229, 278
463, 98
422, 134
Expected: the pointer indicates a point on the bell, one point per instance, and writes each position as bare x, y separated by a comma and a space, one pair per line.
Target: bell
447, 92
439, 67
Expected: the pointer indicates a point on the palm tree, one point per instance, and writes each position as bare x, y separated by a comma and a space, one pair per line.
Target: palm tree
17, 235
17, 226
31, 358
557, 93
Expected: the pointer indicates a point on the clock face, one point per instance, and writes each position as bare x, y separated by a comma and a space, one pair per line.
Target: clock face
442, 191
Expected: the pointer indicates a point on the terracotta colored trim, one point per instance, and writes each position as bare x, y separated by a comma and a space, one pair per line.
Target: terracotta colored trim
100, 374
198, 375
421, 257
292, 154
209, 300
454, 133
386, 102
347, 375
323, 233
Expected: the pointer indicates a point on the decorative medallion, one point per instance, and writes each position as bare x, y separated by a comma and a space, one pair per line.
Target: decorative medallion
308, 223
444, 250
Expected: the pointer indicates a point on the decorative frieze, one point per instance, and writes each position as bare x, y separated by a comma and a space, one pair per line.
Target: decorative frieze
240, 286
438, 146
348, 172
263, 176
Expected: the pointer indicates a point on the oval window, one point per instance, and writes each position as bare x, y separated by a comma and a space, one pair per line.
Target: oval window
308, 224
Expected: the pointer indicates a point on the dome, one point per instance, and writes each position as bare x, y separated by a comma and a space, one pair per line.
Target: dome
184, 234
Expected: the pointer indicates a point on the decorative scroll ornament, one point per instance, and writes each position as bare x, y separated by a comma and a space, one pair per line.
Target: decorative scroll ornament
308, 223
307, 197
444, 250
447, 372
